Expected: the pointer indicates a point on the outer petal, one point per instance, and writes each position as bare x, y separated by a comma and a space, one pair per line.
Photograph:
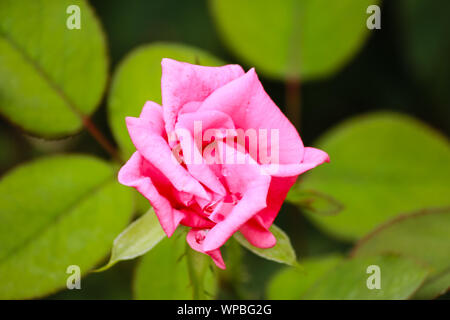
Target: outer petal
153, 147
183, 82
152, 116
245, 100
258, 235
312, 158
278, 190
283, 181
195, 238
130, 175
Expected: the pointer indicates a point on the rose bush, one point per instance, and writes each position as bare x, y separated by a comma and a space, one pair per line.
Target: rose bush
197, 161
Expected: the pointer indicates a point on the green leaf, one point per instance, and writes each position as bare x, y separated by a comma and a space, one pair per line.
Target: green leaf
282, 252
424, 235
138, 238
292, 283
141, 203
138, 79
56, 212
382, 164
400, 278
164, 272
305, 38
314, 202
434, 286
50, 76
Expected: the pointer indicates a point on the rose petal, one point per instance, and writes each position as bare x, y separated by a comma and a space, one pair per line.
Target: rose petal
130, 175
194, 220
152, 116
195, 238
257, 235
245, 100
278, 190
192, 146
183, 82
253, 188
154, 148
210, 119
312, 158
282, 182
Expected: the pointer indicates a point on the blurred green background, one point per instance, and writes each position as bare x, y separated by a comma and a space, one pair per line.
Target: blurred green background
402, 68
381, 76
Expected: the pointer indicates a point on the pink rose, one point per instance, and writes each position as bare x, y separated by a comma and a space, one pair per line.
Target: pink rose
203, 161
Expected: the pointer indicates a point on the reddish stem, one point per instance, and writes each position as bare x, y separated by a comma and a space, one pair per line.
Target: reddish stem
100, 138
293, 105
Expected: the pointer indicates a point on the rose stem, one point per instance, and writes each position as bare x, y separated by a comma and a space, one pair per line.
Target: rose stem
293, 105
100, 138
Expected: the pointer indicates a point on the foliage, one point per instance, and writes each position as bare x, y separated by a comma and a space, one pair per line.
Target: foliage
327, 278
401, 278
39, 90
298, 36
137, 239
56, 212
292, 283
383, 164
423, 235
282, 252
164, 273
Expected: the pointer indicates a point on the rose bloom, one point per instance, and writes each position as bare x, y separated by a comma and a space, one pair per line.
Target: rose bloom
193, 178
